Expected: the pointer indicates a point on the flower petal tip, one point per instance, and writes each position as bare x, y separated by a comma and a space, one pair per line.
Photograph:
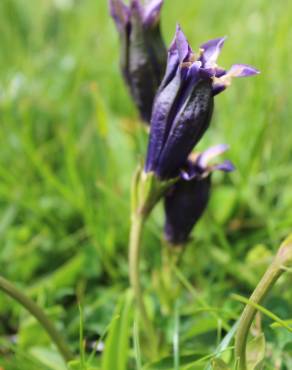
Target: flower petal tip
226, 166
120, 12
181, 43
218, 42
243, 70
211, 153
135, 4
210, 51
152, 12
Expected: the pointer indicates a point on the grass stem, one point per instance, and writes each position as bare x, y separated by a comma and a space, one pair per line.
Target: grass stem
11, 290
274, 271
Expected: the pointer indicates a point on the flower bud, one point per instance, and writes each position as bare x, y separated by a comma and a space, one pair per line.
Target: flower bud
184, 103
187, 200
143, 53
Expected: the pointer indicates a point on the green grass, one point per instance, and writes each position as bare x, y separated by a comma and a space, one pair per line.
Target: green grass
70, 141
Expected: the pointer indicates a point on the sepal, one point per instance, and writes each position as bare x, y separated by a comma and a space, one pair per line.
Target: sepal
147, 190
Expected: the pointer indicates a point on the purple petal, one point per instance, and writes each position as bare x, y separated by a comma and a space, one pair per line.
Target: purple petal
152, 12
193, 113
172, 65
193, 73
237, 70
136, 7
219, 72
242, 70
193, 169
120, 13
185, 175
210, 154
184, 204
211, 50
182, 45
190, 171
225, 166
164, 100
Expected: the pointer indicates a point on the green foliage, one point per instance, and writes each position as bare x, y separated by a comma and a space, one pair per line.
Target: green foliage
218, 364
115, 355
70, 141
256, 353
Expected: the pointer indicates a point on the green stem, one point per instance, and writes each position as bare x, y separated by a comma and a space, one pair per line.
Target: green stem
137, 225
268, 280
38, 313
146, 192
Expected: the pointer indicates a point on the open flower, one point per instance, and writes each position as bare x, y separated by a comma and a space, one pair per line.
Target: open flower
187, 199
184, 103
143, 53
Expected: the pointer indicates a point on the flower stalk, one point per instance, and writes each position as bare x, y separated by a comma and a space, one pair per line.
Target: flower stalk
137, 225
282, 260
11, 290
147, 190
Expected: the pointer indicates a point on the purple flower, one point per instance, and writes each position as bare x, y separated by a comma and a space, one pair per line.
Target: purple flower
184, 103
143, 53
187, 200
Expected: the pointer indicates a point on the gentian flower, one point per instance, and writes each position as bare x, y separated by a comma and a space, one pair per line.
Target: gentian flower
184, 103
187, 199
143, 53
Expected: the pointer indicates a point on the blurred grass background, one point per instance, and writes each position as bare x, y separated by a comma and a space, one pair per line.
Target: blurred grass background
70, 140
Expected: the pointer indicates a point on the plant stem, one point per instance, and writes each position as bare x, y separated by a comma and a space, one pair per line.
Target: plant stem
146, 192
268, 280
137, 225
39, 314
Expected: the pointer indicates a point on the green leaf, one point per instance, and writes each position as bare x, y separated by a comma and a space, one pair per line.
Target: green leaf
223, 195
218, 364
276, 325
50, 358
223, 345
77, 365
137, 349
264, 310
64, 276
116, 351
201, 326
166, 363
176, 348
74, 365
256, 353
30, 329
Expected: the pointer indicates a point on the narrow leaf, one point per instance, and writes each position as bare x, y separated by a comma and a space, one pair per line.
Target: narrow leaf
218, 364
116, 351
256, 353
